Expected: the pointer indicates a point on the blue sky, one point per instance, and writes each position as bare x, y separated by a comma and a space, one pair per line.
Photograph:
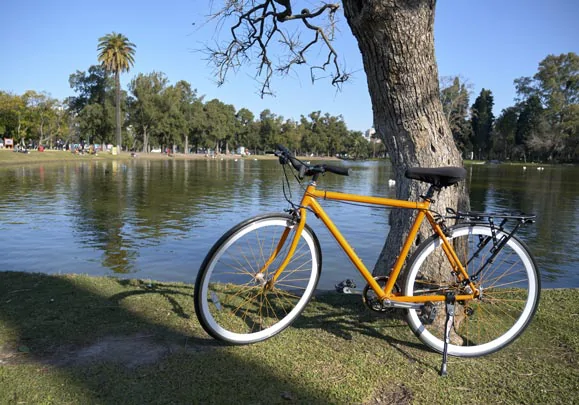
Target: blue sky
489, 43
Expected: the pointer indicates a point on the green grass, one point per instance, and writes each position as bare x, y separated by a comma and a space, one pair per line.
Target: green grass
8, 157
84, 340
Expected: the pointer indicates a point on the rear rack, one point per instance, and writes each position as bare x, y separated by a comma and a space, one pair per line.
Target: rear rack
488, 217
499, 235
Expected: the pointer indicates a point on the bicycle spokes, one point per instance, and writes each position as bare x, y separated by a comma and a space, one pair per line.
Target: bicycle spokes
241, 301
508, 289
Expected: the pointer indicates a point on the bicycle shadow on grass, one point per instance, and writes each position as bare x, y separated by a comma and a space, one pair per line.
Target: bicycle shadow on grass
100, 340
345, 315
342, 315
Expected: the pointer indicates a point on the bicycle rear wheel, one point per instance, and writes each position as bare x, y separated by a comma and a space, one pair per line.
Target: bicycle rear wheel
232, 300
510, 287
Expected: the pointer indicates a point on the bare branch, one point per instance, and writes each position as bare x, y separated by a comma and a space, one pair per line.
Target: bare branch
256, 33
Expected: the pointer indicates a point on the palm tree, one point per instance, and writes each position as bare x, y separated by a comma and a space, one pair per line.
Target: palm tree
116, 56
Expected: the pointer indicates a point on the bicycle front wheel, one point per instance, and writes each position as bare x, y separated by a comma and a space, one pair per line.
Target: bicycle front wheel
233, 300
509, 283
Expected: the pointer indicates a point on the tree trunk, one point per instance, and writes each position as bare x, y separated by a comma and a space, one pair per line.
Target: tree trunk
145, 140
18, 127
118, 110
41, 132
396, 40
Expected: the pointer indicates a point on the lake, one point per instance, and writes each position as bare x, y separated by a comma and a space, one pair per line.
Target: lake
156, 219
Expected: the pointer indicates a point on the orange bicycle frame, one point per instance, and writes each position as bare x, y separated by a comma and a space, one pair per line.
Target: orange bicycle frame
309, 201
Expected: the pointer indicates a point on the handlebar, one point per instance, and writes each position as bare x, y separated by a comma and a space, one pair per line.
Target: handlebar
304, 169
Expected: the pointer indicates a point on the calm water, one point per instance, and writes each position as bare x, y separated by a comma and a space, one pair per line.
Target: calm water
158, 219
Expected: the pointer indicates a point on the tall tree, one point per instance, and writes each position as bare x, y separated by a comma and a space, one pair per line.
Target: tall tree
454, 95
312, 141
269, 129
396, 39
92, 87
556, 88
42, 113
482, 123
219, 125
291, 134
186, 97
529, 123
173, 124
197, 123
11, 110
557, 81
145, 105
505, 131
93, 105
244, 129
116, 54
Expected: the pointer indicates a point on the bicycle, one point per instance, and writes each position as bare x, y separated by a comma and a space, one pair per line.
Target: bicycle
470, 289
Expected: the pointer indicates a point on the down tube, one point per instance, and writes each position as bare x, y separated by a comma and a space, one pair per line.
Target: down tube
346, 247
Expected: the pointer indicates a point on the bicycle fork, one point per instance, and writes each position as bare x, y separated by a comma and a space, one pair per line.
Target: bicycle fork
268, 284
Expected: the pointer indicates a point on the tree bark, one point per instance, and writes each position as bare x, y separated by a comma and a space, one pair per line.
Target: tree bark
118, 110
145, 140
396, 39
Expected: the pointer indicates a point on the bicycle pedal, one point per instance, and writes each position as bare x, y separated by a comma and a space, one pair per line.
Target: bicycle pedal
428, 314
346, 286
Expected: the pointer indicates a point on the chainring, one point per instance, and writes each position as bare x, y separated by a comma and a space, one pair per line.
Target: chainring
371, 300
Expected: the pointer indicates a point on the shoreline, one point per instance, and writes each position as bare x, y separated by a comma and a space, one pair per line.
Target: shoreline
9, 158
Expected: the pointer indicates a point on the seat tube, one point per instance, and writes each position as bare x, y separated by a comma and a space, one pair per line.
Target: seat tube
393, 276
457, 267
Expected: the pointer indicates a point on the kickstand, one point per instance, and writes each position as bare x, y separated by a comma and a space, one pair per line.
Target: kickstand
449, 301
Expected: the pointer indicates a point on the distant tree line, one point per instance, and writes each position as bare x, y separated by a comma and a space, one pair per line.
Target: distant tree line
543, 125
158, 114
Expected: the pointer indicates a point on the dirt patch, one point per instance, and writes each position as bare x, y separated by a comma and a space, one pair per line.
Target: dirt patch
390, 395
7, 355
128, 351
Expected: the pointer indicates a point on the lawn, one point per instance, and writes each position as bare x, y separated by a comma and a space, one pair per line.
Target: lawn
74, 339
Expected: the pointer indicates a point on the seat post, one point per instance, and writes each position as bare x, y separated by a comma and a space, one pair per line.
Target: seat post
430, 193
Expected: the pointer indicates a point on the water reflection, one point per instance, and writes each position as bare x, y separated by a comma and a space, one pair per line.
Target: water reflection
553, 195
157, 219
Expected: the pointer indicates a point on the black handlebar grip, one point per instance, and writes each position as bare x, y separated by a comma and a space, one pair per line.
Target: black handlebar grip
283, 149
342, 171
296, 164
